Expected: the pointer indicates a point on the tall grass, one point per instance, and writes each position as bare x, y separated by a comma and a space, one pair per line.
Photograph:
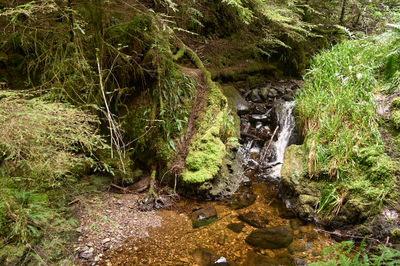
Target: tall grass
338, 115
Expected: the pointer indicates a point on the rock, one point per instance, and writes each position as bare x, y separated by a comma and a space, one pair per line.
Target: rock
271, 237
300, 262
236, 227
264, 93
264, 132
242, 199
204, 257
259, 118
287, 97
243, 109
255, 96
204, 216
298, 245
254, 259
254, 219
259, 109
106, 240
272, 93
298, 192
88, 254
295, 224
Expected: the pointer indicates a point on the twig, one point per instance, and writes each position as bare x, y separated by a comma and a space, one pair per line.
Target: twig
346, 235
116, 137
123, 189
269, 144
73, 202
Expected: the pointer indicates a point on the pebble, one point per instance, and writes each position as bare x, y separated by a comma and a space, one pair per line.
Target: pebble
106, 240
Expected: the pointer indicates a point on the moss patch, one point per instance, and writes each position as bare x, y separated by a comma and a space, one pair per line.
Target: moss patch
205, 155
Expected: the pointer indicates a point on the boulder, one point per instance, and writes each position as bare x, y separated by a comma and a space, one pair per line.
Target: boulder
236, 227
254, 96
254, 219
271, 237
204, 216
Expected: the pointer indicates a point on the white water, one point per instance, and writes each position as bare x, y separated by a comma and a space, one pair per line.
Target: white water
286, 127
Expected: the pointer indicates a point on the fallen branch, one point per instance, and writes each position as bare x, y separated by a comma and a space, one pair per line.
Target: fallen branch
269, 144
340, 235
123, 189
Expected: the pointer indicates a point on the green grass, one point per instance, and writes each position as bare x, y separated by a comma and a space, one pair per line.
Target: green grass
338, 114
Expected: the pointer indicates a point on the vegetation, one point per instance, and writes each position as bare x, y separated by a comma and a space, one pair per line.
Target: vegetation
346, 253
45, 148
338, 114
112, 87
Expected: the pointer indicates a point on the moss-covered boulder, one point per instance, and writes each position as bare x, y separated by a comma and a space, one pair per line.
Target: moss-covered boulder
299, 192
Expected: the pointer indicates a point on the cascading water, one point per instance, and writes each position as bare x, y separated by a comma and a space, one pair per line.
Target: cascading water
286, 122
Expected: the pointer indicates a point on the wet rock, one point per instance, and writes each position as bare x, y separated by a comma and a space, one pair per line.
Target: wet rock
295, 224
204, 257
204, 216
242, 199
264, 132
298, 192
255, 96
300, 262
264, 93
254, 219
272, 93
271, 237
254, 259
243, 109
259, 109
287, 97
87, 253
298, 245
259, 118
236, 227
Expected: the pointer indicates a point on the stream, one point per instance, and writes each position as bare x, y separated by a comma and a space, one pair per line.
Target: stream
228, 232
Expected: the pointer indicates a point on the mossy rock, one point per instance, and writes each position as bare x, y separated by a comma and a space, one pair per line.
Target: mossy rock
205, 156
395, 235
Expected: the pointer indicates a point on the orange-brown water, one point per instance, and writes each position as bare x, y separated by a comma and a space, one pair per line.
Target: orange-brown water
177, 243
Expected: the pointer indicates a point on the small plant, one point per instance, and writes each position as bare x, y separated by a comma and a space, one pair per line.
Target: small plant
348, 254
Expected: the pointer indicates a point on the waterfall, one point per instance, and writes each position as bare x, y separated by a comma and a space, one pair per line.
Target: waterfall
286, 122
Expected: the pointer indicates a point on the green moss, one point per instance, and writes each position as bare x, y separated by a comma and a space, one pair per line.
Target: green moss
125, 33
395, 103
205, 155
395, 119
395, 235
382, 169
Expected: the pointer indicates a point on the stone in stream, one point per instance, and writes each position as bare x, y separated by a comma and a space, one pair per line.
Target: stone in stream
259, 118
264, 93
271, 237
204, 257
254, 219
204, 216
254, 259
255, 96
236, 227
264, 132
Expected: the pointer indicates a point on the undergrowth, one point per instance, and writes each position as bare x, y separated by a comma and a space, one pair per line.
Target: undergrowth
339, 119
44, 149
347, 254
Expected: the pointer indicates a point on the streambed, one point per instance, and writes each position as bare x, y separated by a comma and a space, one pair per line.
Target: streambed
254, 212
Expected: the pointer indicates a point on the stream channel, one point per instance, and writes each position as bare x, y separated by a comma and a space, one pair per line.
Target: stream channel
253, 227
